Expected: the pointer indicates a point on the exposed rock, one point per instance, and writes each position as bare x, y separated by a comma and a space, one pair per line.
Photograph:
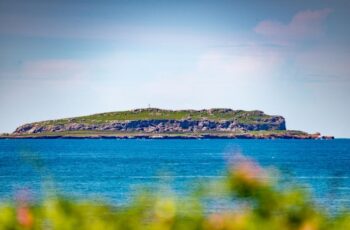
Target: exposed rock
153, 123
285, 135
157, 126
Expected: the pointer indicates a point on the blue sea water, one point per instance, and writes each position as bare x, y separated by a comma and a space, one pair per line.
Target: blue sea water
111, 169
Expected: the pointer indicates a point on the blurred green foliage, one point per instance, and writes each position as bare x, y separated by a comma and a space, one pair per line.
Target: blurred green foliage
257, 201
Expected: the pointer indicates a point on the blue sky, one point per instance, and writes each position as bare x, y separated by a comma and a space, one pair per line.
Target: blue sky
64, 58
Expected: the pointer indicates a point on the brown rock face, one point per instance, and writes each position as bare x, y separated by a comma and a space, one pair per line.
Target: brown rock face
158, 126
327, 137
153, 120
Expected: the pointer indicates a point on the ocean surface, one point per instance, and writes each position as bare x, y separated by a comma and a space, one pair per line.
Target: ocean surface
114, 169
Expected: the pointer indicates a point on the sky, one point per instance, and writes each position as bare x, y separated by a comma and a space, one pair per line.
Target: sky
69, 58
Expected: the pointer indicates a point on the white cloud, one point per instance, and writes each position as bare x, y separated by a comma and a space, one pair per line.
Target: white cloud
249, 66
304, 25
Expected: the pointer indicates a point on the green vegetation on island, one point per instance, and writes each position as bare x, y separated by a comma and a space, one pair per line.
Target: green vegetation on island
162, 114
164, 124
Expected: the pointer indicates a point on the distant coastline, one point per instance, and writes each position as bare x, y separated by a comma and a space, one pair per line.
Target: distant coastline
172, 136
153, 123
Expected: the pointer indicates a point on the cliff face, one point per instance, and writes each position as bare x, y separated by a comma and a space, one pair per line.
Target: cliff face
197, 120
156, 126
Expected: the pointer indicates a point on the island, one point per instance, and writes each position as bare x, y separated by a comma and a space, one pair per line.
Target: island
154, 123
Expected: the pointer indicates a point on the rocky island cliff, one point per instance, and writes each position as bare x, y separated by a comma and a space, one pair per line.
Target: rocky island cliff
159, 123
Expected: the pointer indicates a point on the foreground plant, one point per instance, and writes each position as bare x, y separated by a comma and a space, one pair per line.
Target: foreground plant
257, 203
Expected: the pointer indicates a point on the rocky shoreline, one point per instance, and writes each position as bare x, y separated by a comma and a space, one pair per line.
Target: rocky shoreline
157, 126
315, 136
154, 123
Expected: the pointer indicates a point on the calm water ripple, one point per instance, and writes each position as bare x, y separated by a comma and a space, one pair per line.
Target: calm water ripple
113, 168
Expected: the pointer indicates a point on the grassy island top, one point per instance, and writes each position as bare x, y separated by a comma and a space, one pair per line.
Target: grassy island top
161, 114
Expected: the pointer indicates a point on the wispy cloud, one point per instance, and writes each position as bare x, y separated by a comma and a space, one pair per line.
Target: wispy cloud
106, 31
307, 24
60, 69
324, 64
253, 64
